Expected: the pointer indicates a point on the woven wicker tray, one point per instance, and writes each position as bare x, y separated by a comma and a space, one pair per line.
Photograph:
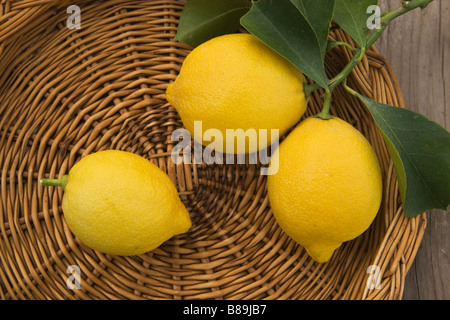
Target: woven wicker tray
66, 93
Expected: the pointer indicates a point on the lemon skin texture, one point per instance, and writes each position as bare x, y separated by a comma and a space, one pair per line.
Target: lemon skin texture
233, 82
328, 187
119, 203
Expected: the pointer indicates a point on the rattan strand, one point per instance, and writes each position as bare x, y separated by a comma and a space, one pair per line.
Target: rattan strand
66, 93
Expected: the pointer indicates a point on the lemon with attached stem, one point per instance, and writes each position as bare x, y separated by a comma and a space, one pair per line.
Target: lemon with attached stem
120, 203
328, 186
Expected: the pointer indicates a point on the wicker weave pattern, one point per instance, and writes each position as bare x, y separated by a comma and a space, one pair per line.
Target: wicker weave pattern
66, 93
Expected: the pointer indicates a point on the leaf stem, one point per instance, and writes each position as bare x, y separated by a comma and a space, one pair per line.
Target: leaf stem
348, 89
310, 87
332, 44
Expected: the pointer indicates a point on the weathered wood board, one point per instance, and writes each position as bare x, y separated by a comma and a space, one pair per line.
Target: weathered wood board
417, 46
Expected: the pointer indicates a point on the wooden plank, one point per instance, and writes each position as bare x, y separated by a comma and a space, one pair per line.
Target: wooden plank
417, 45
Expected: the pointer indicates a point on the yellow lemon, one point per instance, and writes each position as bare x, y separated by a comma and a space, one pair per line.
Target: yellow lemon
239, 87
328, 186
120, 203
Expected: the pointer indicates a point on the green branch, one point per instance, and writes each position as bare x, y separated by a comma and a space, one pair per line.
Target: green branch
325, 113
386, 18
359, 54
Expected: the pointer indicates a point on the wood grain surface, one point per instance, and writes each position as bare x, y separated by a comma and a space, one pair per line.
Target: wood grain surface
417, 46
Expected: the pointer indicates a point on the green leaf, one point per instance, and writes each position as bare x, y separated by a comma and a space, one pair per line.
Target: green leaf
319, 14
420, 150
285, 29
351, 15
202, 20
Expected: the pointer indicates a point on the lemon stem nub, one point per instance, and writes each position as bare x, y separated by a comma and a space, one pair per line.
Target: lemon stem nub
325, 113
55, 182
